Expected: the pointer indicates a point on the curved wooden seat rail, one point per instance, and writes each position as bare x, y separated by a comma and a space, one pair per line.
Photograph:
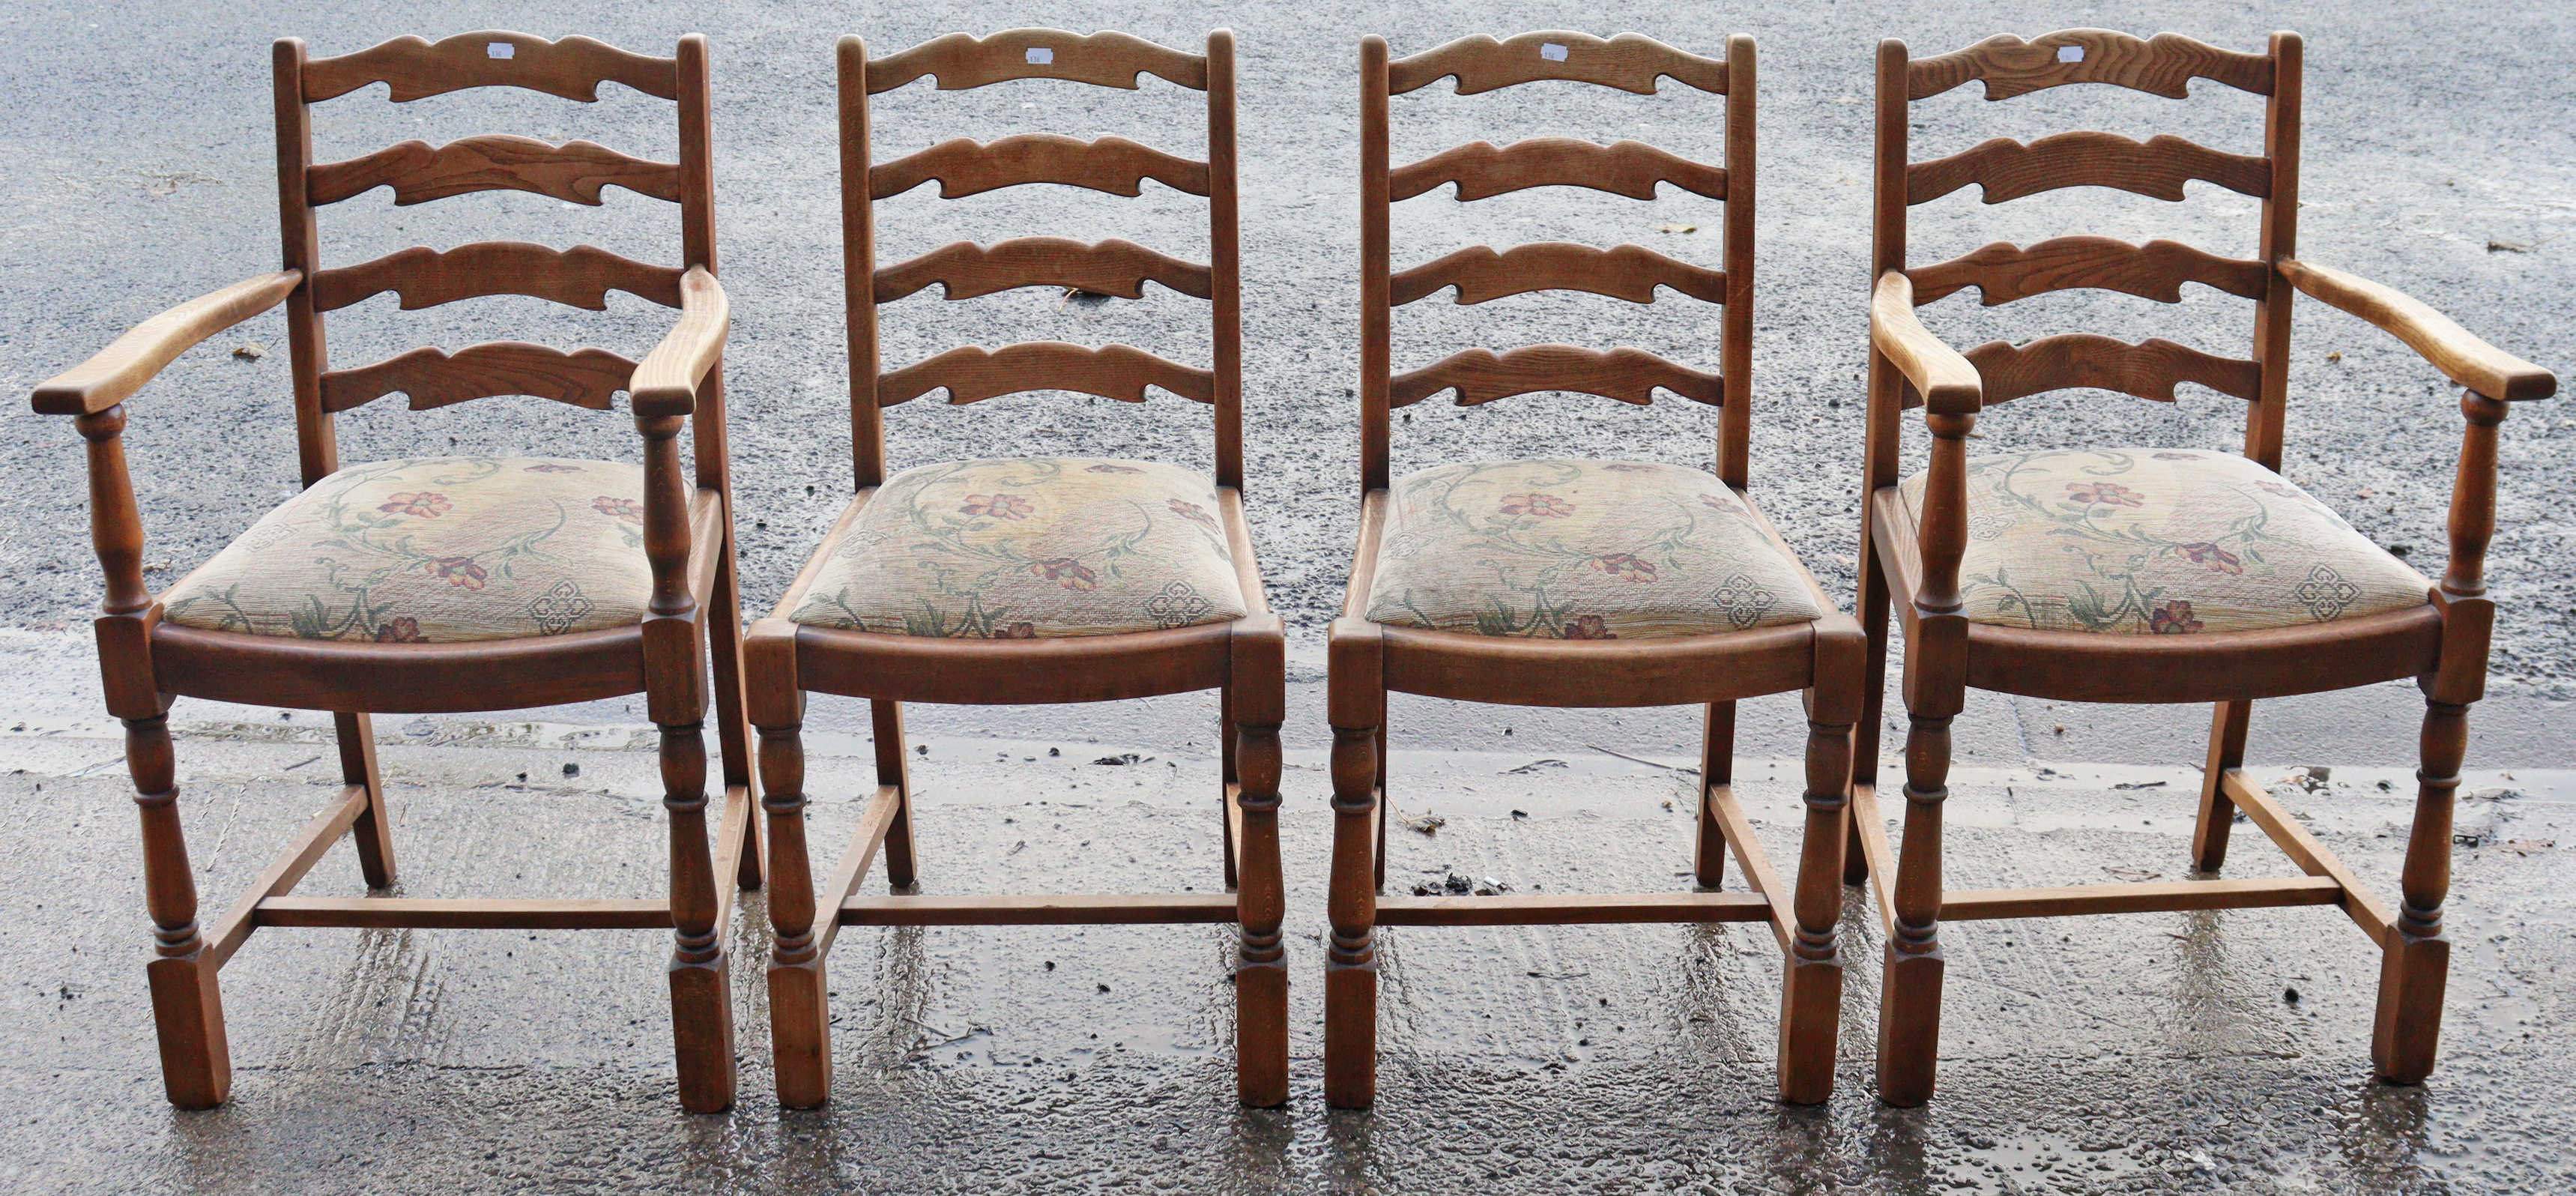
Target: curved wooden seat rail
1911, 563
694, 611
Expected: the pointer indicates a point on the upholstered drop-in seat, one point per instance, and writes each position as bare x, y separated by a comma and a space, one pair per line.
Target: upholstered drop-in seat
1030, 548
2137, 541
437, 550
1579, 550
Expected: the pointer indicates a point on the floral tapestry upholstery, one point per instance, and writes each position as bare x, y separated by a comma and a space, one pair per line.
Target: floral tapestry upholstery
436, 549
1028, 548
1579, 550
2138, 541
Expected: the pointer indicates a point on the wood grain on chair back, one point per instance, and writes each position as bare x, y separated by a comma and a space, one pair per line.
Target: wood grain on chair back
1480, 170
575, 172
2158, 167
965, 270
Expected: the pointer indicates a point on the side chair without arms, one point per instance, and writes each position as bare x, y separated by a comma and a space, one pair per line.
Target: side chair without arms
2145, 575
1577, 583
1028, 580
442, 585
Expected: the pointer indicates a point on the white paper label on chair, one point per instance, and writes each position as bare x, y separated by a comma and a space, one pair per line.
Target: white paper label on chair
1551, 51
2070, 53
1040, 55
501, 50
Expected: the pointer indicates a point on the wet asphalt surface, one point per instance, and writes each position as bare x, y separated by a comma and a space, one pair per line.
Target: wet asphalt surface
2144, 1053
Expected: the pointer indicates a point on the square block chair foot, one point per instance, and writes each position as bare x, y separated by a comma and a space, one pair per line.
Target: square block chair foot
1350, 1035
1909, 1026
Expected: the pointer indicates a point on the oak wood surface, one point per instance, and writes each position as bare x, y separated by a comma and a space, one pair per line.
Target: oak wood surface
1759, 876
416, 68
1482, 376
574, 171
1628, 61
1961, 905
666, 382
1630, 272
865, 844
966, 270
970, 373
2161, 65
963, 167
2461, 356
1107, 59
2148, 370
2003, 272
580, 276
116, 372
434, 377
1532, 909
1481, 170
2158, 167
278, 879
1671, 670
2367, 910
1045, 909
1100, 668
1937, 372
432, 913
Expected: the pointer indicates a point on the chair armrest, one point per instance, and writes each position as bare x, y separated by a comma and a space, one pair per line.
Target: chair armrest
136, 357
1948, 384
2461, 357
666, 383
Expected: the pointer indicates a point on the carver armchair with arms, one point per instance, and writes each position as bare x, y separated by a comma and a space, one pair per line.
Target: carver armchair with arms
446, 584
2145, 574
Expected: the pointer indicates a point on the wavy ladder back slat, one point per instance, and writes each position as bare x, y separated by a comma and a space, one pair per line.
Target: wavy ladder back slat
966, 270
2161, 65
436, 378
573, 172
580, 276
415, 68
2159, 167
1480, 273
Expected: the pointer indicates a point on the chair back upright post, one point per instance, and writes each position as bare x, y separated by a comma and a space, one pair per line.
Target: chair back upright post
1112, 165
1628, 62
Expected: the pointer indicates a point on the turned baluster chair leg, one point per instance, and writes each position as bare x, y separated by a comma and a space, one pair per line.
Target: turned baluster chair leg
1716, 767
2217, 813
373, 832
800, 1014
187, 1007
2415, 963
1909, 1013
1261, 970
893, 769
1350, 966
1811, 986
701, 994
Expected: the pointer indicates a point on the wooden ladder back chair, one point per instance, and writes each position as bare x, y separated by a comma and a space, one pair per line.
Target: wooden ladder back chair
620, 598
1036, 602
1710, 609
1973, 550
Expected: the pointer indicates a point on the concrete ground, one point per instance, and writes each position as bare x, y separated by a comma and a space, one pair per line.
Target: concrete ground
2147, 1053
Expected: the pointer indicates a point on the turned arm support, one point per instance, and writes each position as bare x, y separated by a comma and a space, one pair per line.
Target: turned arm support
2461, 357
1948, 384
135, 358
666, 383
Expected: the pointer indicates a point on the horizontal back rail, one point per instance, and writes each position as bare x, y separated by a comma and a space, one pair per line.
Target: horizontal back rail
1628, 62
580, 276
416, 68
2161, 65
1482, 376
1107, 58
964, 167
966, 270
574, 171
1481, 170
2003, 272
434, 377
2149, 369
1630, 272
2157, 167
970, 373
